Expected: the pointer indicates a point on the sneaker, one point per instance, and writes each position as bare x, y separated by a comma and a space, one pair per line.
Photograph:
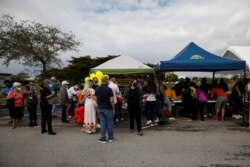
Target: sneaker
44, 131
111, 140
121, 119
88, 132
31, 125
236, 116
102, 141
65, 121
131, 131
140, 133
148, 123
52, 133
69, 116
239, 116
98, 126
157, 120
117, 120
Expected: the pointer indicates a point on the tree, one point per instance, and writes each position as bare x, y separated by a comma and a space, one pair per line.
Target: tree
33, 44
150, 65
78, 68
171, 77
20, 77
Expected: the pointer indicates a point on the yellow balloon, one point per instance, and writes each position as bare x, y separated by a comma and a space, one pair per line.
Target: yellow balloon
86, 79
99, 74
92, 75
99, 82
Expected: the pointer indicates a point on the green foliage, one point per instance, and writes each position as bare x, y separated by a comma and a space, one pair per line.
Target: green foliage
150, 65
171, 77
20, 77
32, 43
78, 68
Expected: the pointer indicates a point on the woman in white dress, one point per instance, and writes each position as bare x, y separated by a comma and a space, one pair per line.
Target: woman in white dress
89, 123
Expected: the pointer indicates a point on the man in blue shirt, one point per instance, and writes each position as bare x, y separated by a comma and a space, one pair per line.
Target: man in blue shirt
6, 90
8, 87
106, 109
54, 88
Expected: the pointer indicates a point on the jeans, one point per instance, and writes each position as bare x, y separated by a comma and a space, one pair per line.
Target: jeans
71, 108
106, 121
53, 109
150, 110
118, 111
33, 114
64, 109
201, 106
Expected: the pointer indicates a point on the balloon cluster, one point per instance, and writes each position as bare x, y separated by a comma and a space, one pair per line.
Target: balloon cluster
79, 115
97, 75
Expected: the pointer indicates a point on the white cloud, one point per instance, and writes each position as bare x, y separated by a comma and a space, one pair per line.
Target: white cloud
142, 29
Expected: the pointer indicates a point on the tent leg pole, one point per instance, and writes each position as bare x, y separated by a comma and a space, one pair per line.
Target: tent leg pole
213, 75
155, 77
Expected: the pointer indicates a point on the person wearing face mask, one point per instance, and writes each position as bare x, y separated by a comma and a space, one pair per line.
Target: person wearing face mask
54, 88
31, 101
72, 92
133, 103
46, 107
16, 111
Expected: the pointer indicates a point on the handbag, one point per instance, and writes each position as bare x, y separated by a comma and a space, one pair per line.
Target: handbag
165, 112
52, 101
119, 99
95, 105
10, 103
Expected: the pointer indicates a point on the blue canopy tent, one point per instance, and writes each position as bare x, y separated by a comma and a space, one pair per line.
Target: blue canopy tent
194, 58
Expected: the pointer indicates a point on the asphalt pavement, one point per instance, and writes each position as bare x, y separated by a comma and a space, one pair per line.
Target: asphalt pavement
178, 143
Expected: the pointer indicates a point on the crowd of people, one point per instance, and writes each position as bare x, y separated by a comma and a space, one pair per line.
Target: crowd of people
103, 102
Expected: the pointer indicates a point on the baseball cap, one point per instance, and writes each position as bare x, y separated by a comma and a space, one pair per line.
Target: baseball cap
65, 82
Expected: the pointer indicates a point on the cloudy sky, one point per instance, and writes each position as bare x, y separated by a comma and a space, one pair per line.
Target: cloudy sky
149, 30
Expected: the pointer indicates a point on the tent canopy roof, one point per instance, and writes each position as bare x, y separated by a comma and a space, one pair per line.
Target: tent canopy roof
194, 58
239, 53
123, 65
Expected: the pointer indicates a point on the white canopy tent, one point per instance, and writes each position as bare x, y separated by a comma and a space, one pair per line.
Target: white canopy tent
123, 65
240, 53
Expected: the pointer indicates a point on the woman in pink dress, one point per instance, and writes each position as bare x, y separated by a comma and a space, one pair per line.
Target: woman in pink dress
89, 123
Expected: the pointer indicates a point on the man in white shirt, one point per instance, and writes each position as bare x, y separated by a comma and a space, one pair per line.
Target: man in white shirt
115, 90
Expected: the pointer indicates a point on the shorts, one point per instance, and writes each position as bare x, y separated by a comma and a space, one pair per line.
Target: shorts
221, 102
